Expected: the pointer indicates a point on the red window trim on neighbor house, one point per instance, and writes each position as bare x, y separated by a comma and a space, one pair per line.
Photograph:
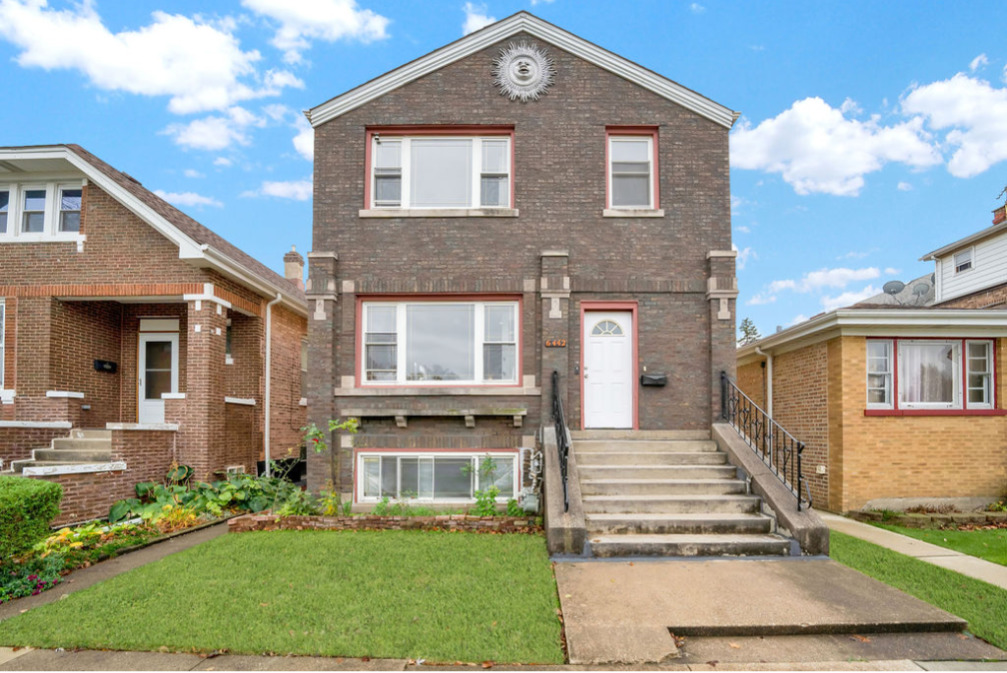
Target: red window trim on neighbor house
650, 131
406, 131
443, 298
964, 410
633, 307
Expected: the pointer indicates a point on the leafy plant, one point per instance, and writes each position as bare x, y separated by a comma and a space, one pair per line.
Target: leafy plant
30, 578
381, 509
315, 438
298, 503
486, 502
513, 508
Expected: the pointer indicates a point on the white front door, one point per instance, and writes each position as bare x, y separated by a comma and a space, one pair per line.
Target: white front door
608, 369
157, 373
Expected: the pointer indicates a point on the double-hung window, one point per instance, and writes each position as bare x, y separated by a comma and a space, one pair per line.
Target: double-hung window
963, 260
33, 211
930, 374
40, 211
4, 209
434, 172
432, 342
631, 172
69, 209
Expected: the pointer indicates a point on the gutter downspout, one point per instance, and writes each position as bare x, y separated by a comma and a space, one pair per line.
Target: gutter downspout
269, 374
769, 380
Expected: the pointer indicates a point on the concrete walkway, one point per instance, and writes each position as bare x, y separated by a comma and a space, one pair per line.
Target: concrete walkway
85, 577
971, 566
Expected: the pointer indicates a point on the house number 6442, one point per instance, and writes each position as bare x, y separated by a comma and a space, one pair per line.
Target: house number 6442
555, 343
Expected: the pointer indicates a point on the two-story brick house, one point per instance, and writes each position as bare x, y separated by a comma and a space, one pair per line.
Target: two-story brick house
132, 337
518, 202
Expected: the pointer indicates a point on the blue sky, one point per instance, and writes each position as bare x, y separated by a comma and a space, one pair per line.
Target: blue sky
872, 132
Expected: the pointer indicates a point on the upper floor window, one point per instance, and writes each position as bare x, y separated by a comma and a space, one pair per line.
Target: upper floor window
929, 374
963, 260
440, 172
40, 211
632, 171
433, 342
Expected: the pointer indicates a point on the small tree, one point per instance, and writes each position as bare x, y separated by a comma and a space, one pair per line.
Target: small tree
748, 332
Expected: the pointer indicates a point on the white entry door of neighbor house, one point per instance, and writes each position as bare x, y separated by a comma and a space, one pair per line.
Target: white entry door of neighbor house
608, 369
157, 373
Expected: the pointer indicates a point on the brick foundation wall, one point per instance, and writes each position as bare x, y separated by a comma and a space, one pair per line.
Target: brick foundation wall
450, 522
17, 443
148, 456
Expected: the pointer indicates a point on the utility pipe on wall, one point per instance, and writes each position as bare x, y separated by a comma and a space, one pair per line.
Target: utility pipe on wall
269, 374
769, 379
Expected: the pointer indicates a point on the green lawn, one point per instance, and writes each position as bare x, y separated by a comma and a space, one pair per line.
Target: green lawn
990, 545
401, 594
982, 604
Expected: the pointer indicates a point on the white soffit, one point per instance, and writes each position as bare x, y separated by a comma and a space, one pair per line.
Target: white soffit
501, 30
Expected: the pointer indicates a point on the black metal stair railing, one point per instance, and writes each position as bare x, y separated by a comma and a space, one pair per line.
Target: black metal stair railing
562, 441
777, 448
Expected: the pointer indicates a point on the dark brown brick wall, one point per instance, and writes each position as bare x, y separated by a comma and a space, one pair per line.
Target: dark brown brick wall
559, 174
994, 297
287, 414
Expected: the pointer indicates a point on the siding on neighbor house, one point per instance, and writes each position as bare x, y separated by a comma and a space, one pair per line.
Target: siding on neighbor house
989, 268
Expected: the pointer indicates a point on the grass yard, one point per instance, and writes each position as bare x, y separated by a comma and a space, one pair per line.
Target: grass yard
990, 544
982, 604
402, 594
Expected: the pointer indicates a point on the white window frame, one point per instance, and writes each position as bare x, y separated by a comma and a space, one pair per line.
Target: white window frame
633, 137
971, 260
51, 217
405, 159
479, 338
889, 375
58, 213
956, 374
989, 373
475, 457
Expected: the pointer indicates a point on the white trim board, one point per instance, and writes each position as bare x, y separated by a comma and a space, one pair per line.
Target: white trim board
80, 468
501, 30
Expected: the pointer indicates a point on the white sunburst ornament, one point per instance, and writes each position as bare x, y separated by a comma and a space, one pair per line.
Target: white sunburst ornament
523, 71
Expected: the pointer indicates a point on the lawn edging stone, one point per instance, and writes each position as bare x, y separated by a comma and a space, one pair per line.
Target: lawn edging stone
449, 522
934, 520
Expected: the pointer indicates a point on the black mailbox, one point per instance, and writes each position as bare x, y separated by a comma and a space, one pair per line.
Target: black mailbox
105, 366
658, 380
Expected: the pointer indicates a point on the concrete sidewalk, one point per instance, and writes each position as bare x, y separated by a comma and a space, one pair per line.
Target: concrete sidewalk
939, 556
91, 660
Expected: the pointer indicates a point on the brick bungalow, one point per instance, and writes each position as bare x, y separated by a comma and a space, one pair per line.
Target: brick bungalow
132, 337
900, 399
518, 202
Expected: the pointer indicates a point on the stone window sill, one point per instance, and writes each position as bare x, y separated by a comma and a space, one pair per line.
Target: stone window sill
935, 412
502, 391
632, 212
439, 212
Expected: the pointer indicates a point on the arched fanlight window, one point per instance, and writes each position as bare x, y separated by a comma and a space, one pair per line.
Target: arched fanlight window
607, 328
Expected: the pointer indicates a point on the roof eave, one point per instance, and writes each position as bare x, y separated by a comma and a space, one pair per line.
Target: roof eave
968, 240
522, 21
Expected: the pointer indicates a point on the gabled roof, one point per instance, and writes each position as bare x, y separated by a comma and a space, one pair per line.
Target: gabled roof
968, 240
501, 30
195, 242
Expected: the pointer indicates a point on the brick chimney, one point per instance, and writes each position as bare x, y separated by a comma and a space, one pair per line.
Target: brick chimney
1000, 214
293, 267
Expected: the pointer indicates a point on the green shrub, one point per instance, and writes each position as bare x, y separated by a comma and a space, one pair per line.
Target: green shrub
27, 507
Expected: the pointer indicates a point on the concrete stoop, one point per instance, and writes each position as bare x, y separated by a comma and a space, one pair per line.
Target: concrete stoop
84, 446
668, 495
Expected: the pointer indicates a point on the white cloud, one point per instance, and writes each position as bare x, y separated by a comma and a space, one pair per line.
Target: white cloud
538, 2
858, 254
696, 8
978, 62
833, 278
905, 187
217, 132
742, 229
800, 317
222, 161
890, 271
743, 256
475, 17
817, 148
760, 299
327, 20
277, 111
188, 199
736, 203
297, 190
973, 112
848, 298
304, 141
192, 173
198, 63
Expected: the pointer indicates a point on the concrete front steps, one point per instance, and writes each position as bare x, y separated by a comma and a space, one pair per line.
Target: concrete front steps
84, 446
669, 495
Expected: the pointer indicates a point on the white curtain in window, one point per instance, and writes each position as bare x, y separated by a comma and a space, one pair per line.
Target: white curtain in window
926, 373
441, 173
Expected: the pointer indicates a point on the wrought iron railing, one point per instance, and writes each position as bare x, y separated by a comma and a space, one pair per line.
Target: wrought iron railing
562, 438
777, 448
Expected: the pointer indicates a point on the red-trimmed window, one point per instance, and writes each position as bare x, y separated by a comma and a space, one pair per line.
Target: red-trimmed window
439, 476
437, 169
930, 374
632, 168
439, 342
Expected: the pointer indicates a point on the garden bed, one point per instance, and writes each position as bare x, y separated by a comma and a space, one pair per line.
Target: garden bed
931, 519
446, 522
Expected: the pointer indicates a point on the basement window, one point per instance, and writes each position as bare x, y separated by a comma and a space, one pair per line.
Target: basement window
435, 476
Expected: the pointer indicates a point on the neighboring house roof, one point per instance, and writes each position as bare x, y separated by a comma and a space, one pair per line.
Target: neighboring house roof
916, 294
889, 321
501, 30
195, 241
968, 240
